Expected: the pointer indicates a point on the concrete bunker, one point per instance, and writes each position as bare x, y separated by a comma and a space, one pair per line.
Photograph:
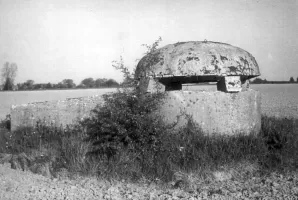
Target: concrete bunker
57, 113
233, 108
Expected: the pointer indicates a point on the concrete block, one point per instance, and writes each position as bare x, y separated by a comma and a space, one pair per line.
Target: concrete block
215, 112
53, 112
230, 84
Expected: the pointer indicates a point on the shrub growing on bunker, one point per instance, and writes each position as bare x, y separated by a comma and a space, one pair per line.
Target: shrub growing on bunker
126, 120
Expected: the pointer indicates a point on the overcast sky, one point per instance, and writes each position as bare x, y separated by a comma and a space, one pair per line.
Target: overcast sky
51, 40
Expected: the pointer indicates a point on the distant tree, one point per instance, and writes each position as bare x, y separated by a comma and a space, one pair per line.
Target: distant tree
54, 86
259, 80
29, 84
39, 86
20, 86
68, 83
81, 86
8, 75
88, 82
297, 80
100, 82
49, 86
8, 85
61, 85
292, 80
111, 83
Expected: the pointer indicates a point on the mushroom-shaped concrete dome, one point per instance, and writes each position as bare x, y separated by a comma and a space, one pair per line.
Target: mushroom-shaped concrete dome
198, 58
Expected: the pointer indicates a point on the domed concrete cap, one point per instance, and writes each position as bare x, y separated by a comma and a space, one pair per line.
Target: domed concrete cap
185, 59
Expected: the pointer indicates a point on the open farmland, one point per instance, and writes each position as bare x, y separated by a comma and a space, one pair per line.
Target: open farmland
279, 100
22, 97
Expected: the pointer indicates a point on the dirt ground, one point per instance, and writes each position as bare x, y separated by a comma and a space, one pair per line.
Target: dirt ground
16, 184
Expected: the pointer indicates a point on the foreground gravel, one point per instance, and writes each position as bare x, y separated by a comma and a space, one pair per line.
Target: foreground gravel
15, 184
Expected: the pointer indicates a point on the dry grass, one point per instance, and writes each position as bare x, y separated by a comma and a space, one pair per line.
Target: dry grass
202, 158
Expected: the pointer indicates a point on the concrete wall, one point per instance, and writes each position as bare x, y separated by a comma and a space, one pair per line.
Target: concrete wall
57, 112
215, 112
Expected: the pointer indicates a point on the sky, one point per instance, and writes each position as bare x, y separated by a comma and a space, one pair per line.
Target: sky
51, 40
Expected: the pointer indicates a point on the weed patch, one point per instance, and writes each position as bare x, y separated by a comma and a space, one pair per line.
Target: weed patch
125, 141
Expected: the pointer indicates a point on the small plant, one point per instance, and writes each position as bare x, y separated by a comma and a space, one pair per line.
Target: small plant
124, 122
65, 146
6, 123
281, 140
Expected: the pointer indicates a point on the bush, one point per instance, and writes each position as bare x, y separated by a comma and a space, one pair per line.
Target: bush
42, 135
125, 122
65, 146
6, 123
281, 140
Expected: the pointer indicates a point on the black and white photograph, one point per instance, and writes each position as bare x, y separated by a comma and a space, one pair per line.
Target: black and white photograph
148, 99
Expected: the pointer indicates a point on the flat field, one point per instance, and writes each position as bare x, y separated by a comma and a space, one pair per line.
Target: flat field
22, 97
279, 100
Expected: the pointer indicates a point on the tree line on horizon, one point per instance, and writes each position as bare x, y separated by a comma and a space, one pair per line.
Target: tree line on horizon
263, 81
9, 71
69, 84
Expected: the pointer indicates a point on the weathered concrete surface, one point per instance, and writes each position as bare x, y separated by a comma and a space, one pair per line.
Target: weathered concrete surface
215, 112
198, 59
56, 112
233, 109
